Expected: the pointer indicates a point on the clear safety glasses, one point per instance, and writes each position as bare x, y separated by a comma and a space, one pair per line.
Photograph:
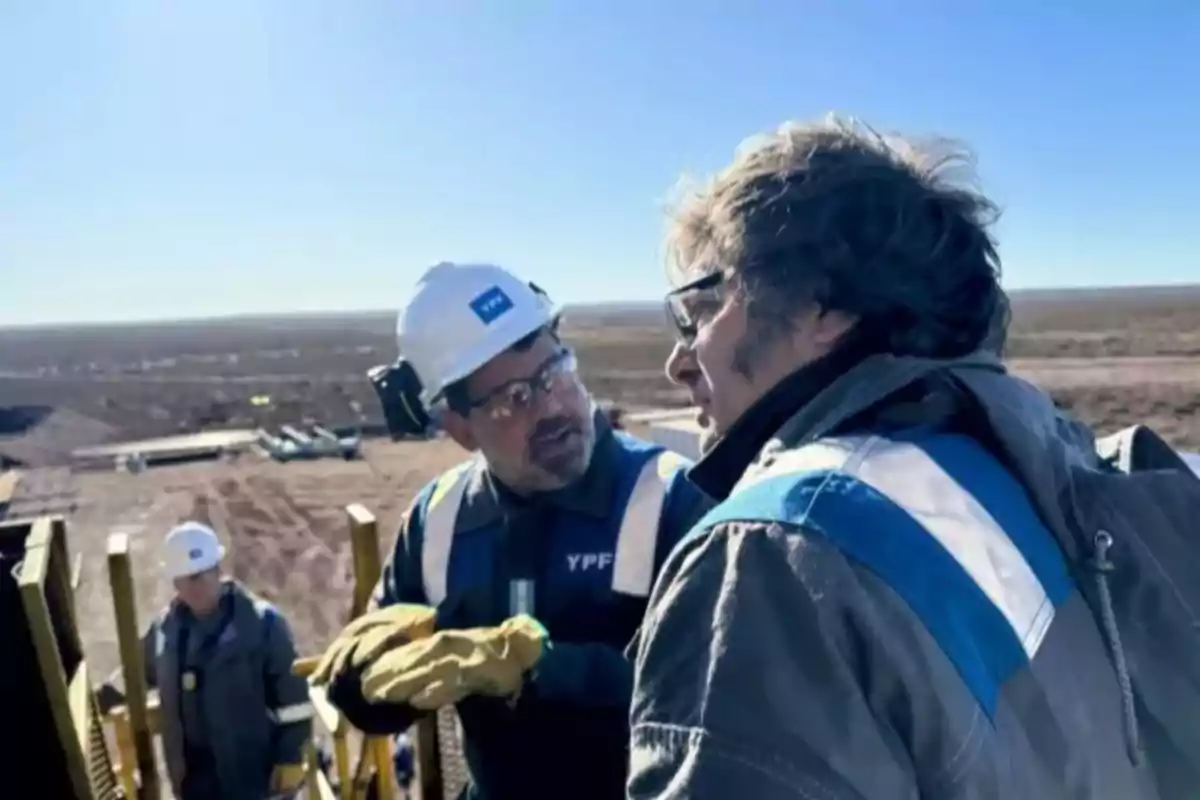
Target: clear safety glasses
519, 396
689, 306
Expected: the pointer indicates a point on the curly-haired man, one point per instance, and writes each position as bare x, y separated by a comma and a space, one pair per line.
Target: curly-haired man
876, 609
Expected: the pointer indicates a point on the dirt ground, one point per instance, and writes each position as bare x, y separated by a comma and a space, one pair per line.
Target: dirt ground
1113, 358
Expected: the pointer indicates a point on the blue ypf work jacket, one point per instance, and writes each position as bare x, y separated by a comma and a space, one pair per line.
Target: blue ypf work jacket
582, 561
877, 609
231, 708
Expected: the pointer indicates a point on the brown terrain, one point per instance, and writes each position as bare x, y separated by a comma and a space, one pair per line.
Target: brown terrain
1113, 357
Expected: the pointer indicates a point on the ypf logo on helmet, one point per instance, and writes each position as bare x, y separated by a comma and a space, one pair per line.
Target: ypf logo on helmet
491, 305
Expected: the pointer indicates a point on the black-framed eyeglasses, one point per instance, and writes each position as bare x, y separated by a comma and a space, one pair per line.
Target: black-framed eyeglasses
691, 304
519, 395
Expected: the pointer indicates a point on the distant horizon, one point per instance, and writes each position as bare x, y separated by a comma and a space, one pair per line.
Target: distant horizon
1035, 293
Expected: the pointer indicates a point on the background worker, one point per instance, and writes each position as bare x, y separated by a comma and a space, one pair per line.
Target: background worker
234, 718
878, 607
538, 554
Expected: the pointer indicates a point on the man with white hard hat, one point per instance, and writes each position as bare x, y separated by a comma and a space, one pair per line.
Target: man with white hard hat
517, 578
234, 718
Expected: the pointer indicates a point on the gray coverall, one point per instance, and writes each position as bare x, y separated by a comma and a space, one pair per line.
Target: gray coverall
231, 708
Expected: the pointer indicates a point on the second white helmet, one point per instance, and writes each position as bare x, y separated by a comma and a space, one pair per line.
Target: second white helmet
463, 315
191, 548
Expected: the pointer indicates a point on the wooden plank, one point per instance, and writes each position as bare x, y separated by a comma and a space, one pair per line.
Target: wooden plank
153, 712
341, 762
364, 543
119, 718
427, 758
120, 578
79, 699
54, 530
364, 548
376, 750
330, 717
32, 586
85, 713
364, 539
324, 790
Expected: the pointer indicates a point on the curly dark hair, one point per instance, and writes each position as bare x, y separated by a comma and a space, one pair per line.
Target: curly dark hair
882, 228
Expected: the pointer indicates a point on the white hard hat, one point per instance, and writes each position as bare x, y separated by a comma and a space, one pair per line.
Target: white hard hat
463, 315
191, 548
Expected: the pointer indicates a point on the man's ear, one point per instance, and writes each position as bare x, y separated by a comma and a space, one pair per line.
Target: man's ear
457, 427
827, 327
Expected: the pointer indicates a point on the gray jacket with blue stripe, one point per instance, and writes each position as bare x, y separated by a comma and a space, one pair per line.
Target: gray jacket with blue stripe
244, 705
878, 610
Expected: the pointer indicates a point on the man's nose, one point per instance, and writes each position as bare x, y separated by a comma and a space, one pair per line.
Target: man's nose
549, 402
681, 366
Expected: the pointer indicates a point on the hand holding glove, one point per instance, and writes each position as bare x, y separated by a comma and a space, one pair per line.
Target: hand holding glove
364, 639
449, 665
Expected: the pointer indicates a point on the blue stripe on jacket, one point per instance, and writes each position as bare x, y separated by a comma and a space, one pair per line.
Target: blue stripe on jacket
943, 524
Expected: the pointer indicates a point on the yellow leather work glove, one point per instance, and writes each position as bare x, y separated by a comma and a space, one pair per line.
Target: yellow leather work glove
450, 665
367, 637
286, 778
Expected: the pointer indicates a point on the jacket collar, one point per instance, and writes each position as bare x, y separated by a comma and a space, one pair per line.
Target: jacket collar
843, 389
719, 469
234, 595
487, 500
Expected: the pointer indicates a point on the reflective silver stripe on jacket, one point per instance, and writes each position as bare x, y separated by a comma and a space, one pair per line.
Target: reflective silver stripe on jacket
633, 563
911, 479
287, 715
440, 515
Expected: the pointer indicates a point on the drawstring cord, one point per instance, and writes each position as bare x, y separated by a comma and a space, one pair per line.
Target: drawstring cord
1102, 566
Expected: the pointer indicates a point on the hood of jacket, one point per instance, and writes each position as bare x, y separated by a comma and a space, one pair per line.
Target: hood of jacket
974, 395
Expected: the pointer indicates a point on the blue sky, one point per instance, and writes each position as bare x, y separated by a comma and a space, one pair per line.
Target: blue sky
201, 157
